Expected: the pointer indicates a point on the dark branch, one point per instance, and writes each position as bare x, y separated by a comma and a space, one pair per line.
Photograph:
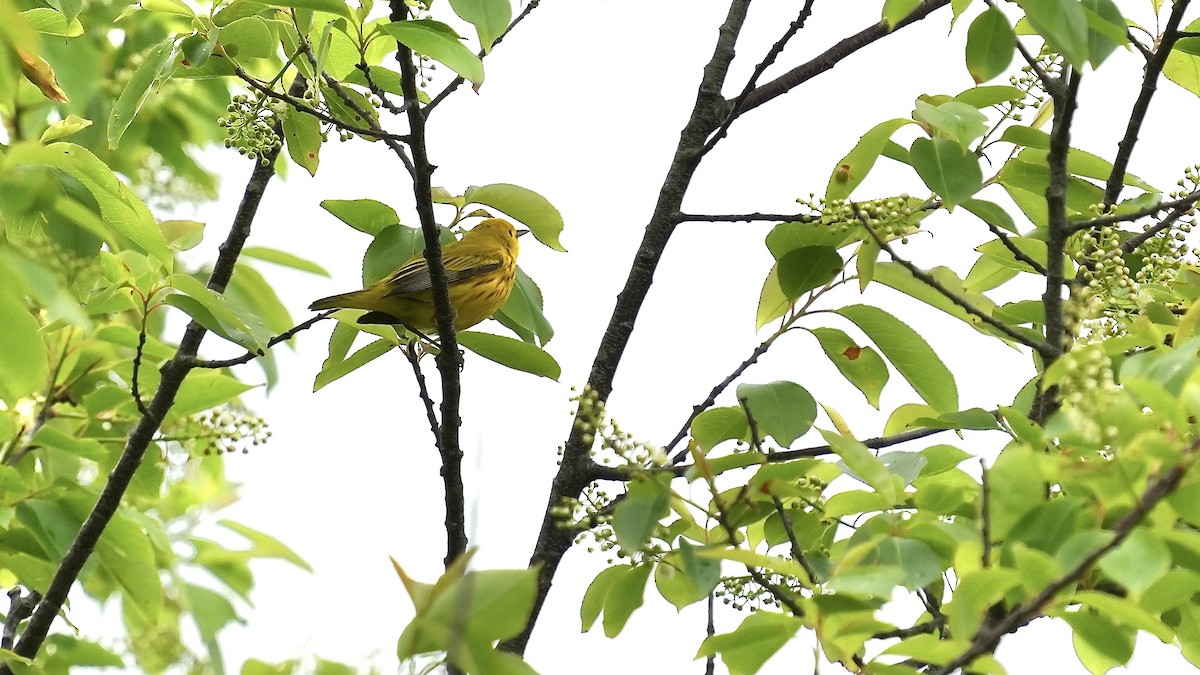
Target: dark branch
251, 355
1183, 205
773, 53
928, 279
1154, 66
449, 359
1015, 250
833, 56
413, 356
576, 469
746, 217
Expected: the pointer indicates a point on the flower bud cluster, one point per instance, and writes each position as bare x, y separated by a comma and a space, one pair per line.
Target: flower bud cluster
1087, 388
250, 126
225, 429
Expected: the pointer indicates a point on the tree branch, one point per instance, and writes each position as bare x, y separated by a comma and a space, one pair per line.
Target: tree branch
1154, 66
928, 279
746, 217
251, 355
1056, 238
833, 56
575, 470
773, 53
449, 358
1183, 205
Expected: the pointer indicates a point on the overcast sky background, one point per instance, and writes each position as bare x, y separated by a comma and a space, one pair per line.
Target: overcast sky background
584, 103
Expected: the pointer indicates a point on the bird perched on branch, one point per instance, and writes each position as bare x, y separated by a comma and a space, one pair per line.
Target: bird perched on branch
480, 269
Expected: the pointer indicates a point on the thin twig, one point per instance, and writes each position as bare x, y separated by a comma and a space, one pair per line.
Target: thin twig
250, 355
458, 81
919, 629
414, 359
1183, 205
712, 397
833, 56
928, 279
303, 107
985, 518
747, 217
1015, 250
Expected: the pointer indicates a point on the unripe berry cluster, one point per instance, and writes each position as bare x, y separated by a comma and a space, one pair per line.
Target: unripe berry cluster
593, 424
1087, 388
890, 217
250, 126
743, 592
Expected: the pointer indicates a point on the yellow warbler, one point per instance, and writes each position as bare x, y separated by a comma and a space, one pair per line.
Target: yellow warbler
480, 268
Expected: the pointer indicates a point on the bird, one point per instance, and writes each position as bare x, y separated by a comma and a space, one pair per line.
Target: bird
480, 270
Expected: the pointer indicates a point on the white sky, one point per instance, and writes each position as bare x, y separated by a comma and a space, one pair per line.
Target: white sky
584, 104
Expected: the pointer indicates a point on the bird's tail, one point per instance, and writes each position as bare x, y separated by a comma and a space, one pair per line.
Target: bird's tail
351, 300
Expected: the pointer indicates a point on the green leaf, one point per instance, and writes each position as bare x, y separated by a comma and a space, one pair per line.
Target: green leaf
717, 425
977, 591
487, 605
333, 372
302, 135
919, 562
263, 545
278, 257
647, 501
909, 353
861, 366
865, 466
364, 215
393, 246
1063, 24
1100, 644
990, 45
1015, 487
511, 353
756, 639
119, 206
63, 128
990, 95
1138, 562
683, 578
244, 329
52, 22
490, 18
895, 11
991, 213
803, 269
1183, 63
624, 597
211, 610
597, 592
204, 389
855, 166
249, 37
137, 90
439, 42
875, 581
952, 119
950, 170
783, 410
530, 208
1106, 30
337, 7
772, 303
23, 363
522, 312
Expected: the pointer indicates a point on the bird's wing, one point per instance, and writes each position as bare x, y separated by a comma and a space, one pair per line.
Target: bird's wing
414, 277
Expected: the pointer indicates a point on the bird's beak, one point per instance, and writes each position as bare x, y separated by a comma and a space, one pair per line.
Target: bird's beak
522, 232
